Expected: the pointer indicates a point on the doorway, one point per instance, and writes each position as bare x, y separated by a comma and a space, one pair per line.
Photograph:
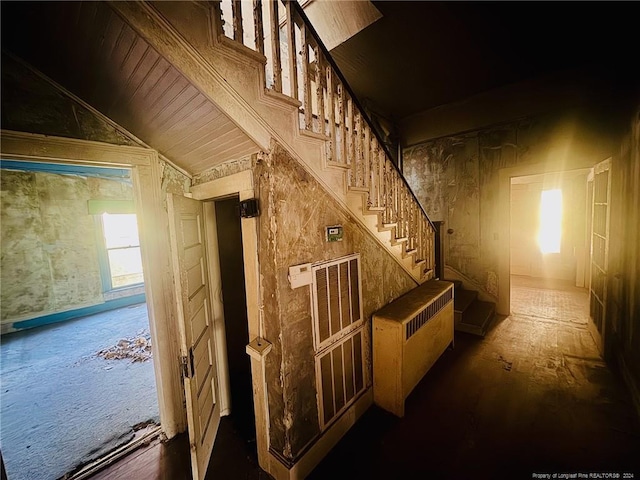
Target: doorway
243, 426
549, 222
77, 370
234, 300
549, 246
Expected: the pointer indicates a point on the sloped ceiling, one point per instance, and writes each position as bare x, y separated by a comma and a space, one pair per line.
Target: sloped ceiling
92, 52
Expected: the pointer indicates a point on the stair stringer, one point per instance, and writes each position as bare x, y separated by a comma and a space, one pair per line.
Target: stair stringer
451, 273
232, 77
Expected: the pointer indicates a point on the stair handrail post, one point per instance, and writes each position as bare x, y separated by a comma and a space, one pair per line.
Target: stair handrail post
258, 25
347, 87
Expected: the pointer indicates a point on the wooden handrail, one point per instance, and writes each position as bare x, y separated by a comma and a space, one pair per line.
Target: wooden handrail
333, 111
354, 98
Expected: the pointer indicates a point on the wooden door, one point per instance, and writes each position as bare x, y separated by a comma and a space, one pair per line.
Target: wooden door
186, 228
600, 246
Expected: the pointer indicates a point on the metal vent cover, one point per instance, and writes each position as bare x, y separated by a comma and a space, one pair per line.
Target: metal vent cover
338, 336
337, 305
431, 310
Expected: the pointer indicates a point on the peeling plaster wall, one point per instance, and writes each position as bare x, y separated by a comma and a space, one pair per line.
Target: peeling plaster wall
49, 260
294, 213
224, 169
35, 226
31, 104
455, 178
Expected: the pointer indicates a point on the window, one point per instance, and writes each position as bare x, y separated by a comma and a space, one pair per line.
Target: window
550, 232
121, 263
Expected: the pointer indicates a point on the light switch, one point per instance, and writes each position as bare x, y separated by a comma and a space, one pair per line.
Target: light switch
300, 275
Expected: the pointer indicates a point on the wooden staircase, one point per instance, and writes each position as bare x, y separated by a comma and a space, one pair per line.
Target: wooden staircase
471, 315
264, 66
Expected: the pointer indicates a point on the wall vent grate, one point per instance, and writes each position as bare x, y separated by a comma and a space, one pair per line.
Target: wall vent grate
339, 370
336, 300
338, 336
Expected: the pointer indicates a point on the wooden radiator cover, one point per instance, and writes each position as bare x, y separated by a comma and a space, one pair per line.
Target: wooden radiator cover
409, 335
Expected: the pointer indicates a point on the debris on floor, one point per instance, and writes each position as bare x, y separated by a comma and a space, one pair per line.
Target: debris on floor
136, 348
505, 364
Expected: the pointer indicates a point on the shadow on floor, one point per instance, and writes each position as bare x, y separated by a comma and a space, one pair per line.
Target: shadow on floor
532, 397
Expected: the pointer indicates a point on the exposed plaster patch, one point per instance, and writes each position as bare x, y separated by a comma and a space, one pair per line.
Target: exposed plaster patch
295, 211
492, 283
225, 169
49, 245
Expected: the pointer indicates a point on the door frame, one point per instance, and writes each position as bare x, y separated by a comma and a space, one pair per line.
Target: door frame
503, 307
242, 185
599, 335
154, 239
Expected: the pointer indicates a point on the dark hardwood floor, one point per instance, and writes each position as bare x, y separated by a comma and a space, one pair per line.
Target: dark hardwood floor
233, 458
532, 397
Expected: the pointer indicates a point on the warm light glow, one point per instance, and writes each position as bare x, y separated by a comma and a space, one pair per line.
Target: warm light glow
550, 221
120, 230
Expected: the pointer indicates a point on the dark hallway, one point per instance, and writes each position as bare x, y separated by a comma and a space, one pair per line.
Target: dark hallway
235, 314
533, 396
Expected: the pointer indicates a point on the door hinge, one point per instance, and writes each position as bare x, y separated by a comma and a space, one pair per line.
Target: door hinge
184, 366
187, 365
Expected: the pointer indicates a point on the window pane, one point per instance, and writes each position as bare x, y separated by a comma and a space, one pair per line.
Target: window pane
120, 230
126, 266
550, 221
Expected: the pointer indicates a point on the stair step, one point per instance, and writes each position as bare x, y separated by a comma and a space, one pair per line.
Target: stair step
477, 318
462, 299
375, 209
340, 165
400, 240
410, 251
389, 226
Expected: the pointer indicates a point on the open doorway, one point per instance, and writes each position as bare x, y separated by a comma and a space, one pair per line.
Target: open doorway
234, 300
77, 370
549, 246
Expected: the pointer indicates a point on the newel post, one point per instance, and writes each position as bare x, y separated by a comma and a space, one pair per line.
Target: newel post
439, 249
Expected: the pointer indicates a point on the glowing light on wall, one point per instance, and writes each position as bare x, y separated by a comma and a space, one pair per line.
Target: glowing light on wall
550, 232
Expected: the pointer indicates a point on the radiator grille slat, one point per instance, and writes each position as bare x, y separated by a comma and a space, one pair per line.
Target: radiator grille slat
430, 311
355, 291
327, 386
345, 306
322, 300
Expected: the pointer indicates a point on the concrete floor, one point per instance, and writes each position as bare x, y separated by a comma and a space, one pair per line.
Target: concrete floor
61, 404
532, 397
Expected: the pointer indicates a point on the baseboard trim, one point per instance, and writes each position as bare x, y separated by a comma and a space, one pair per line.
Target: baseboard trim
329, 439
73, 314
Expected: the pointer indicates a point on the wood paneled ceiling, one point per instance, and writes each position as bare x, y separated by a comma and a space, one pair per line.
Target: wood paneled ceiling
91, 51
